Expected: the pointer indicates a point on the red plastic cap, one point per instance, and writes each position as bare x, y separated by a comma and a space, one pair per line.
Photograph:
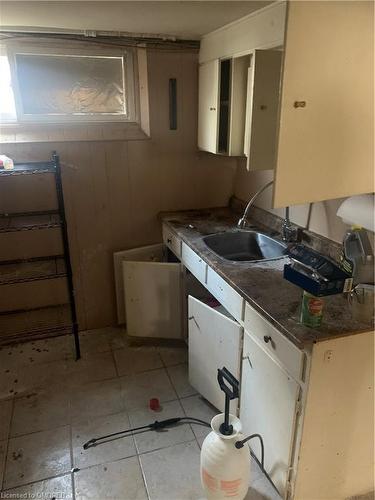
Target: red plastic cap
154, 404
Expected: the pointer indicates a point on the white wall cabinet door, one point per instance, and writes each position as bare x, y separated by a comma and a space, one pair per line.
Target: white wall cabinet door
208, 106
262, 107
268, 405
153, 299
214, 341
326, 137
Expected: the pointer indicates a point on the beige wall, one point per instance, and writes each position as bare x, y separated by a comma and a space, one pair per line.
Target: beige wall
115, 189
322, 218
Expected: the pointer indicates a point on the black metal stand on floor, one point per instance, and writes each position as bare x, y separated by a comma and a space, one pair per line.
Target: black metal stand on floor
10, 222
64, 233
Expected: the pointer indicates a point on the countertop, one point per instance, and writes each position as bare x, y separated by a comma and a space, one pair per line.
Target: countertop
261, 283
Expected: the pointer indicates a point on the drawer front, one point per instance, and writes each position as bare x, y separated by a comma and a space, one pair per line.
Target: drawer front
274, 342
172, 241
225, 294
194, 263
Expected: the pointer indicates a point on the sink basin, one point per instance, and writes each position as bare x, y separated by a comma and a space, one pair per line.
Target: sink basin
245, 246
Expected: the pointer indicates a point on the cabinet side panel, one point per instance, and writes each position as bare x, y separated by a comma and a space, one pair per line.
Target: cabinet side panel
326, 143
336, 459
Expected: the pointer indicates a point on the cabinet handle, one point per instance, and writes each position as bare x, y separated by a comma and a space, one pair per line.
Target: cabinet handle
195, 321
212, 109
267, 338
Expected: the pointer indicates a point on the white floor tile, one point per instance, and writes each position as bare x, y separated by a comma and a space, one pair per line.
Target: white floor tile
40, 411
173, 355
136, 359
37, 352
37, 456
121, 480
152, 440
92, 367
173, 473
38, 377
8, 382
5, 416
107, 451
57, 487
180, 380
94, 341
117, 337
197, 407
140, 388
254, 494
95, 399
264, 489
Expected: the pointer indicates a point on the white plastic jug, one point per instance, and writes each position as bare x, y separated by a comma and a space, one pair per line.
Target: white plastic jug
225, 470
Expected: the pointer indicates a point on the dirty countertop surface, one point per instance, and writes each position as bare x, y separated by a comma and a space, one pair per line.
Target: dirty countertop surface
261, 283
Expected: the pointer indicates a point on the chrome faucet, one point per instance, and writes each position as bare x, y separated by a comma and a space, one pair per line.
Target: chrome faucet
242, 222
288, 232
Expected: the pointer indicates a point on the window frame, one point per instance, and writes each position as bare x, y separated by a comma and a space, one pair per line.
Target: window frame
75, 49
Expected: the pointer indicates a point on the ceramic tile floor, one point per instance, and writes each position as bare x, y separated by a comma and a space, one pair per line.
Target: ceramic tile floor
50, 405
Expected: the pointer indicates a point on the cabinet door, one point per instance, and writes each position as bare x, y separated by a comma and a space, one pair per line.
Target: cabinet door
208, 106
326, 138
214, 342
262, 107
268, 407
150, 253
153, 298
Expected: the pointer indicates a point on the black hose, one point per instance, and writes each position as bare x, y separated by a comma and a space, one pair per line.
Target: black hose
240, 444
151, 427
162, 424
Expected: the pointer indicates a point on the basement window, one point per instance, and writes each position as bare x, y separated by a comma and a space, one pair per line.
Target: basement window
80, 85
7, 104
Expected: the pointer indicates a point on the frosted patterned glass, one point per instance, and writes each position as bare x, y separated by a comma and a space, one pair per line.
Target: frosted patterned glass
71, 85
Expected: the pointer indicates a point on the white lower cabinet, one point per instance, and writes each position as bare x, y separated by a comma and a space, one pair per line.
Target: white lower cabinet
215, 340
269, 401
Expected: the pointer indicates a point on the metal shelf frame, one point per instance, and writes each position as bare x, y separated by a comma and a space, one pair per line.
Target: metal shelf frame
50, 167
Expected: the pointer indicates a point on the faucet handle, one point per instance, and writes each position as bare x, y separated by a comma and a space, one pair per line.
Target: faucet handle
241, 222
291, 234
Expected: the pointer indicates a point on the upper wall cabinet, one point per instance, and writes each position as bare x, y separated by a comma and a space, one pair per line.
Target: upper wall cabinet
232, 75
222, 102
238, 106
326, 136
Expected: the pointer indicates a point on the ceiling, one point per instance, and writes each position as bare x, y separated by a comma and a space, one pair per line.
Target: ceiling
183, 19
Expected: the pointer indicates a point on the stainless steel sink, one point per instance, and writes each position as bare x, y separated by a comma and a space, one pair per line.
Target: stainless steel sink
245, 246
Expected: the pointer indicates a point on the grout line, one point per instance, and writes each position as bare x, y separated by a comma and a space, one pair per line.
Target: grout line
5, 462
166, 447
143, 476
71, 460
115, 363
39, 431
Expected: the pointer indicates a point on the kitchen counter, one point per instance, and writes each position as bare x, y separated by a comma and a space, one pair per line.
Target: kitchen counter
261, 283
